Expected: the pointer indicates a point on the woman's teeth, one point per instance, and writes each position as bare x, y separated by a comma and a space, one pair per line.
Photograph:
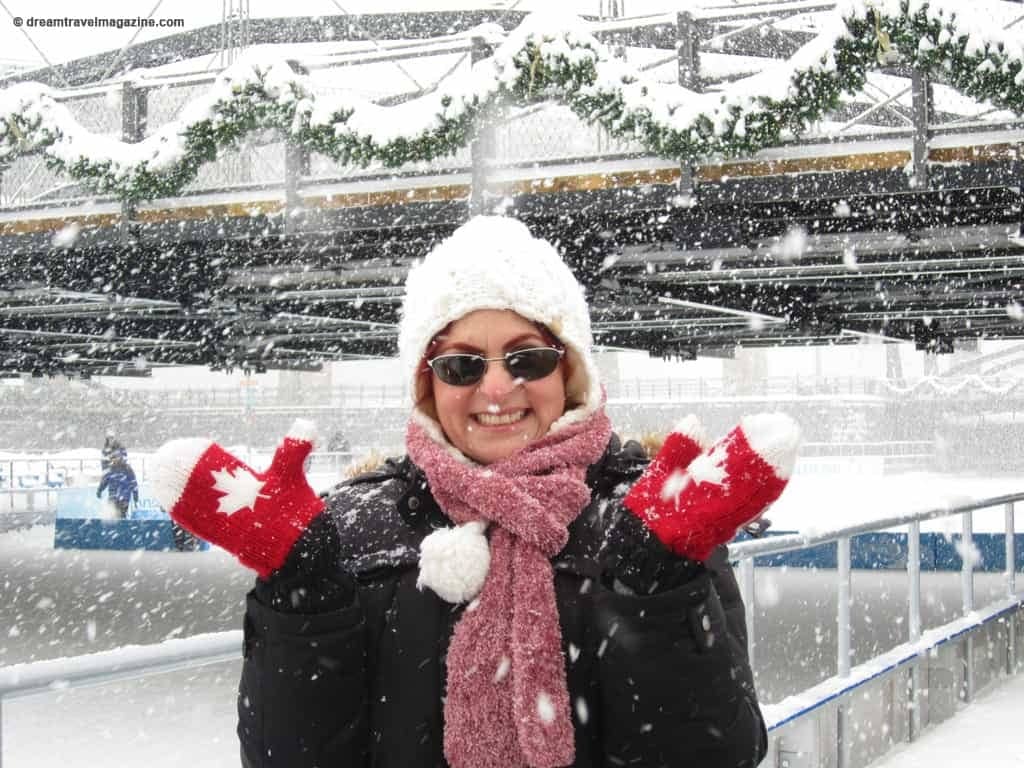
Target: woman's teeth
497, 419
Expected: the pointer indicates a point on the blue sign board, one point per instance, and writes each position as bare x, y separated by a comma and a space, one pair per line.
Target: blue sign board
85, 522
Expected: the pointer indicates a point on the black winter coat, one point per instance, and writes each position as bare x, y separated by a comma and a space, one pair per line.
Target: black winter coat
349, 671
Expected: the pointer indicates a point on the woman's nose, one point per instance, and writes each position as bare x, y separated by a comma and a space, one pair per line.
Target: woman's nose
497, 382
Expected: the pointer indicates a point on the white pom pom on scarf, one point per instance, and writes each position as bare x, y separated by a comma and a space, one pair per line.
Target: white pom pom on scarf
454, 562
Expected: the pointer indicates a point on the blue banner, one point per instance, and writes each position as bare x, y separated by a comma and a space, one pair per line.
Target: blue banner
81, 503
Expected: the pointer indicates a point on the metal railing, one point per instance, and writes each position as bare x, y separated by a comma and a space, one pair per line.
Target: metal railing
255, 395
142, 661
43, 486
29, 496
746, 552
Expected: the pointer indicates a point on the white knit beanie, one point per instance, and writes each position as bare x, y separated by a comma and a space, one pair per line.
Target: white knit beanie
493, 262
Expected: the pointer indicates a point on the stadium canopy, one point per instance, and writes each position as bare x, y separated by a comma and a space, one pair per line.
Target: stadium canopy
793, 172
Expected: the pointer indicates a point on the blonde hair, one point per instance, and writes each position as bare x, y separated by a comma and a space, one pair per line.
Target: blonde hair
651, 442
368, 463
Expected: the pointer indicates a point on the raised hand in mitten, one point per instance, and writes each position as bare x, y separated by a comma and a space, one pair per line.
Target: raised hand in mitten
733, 482
257, 516
684, 443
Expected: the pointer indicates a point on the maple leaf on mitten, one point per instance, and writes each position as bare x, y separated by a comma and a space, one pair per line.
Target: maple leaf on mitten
733, 482
257, 516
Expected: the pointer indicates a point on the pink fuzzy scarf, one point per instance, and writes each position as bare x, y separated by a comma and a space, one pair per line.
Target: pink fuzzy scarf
508, 701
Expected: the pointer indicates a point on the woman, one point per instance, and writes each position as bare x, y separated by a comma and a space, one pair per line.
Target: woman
518, 590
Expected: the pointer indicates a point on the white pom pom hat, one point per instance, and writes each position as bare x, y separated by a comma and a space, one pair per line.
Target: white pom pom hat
493, 262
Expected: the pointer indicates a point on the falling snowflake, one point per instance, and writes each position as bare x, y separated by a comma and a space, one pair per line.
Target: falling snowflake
850, 258
791, 246
503, 667
66, 237
968, 552
582, 711
545, 708
240, 489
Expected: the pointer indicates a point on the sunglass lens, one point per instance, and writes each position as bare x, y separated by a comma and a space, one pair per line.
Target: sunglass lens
532, 364
459, 370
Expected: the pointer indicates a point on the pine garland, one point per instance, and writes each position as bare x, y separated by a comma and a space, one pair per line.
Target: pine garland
544, 59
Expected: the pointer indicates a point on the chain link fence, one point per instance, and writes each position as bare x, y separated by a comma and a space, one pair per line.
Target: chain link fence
721, 52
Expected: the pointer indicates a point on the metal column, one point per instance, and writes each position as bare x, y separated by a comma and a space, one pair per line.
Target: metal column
483, 144
296, 166
921, 99
688, 64
134, 111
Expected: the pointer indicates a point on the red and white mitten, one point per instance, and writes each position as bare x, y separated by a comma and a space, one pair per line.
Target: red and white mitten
722, 489
257, 516
684, 443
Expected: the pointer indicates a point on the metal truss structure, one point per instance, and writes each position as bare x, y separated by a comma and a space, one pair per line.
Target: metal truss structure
899, 219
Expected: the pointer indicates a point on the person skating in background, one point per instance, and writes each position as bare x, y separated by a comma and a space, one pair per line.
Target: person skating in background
518, 590
120, 484
111, 447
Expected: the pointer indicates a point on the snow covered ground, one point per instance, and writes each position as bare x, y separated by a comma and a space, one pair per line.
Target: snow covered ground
987, 734
815, 503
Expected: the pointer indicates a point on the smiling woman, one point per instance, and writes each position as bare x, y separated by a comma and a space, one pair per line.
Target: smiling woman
520, 589
496, 412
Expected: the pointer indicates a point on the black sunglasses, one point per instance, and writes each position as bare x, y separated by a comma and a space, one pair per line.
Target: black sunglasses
460, 369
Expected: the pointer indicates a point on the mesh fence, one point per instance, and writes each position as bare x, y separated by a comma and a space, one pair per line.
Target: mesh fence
250, 163
164, 104
99, 113
552, 132
27, 181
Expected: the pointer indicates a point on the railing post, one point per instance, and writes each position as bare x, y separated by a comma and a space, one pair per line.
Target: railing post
482, 147
1011, 589
967, 594
843, 642
914, 575
967, 562
747, 591
914, 624
843, 607
1011, 552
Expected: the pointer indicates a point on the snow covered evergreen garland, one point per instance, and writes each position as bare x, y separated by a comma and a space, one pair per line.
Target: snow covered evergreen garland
548, 57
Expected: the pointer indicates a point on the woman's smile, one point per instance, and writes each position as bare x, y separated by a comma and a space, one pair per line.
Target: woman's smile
501, 419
